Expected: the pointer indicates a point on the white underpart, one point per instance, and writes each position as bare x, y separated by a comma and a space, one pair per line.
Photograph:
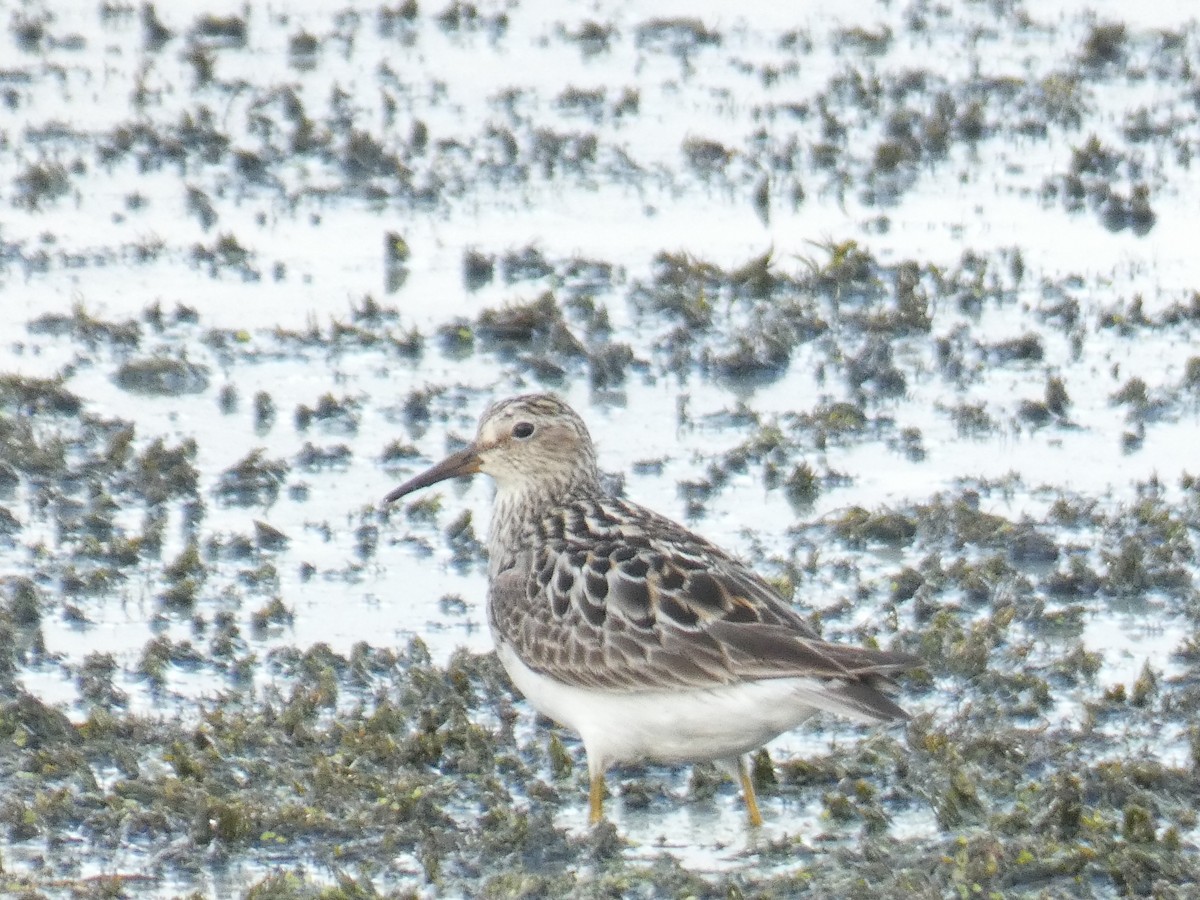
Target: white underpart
676, 726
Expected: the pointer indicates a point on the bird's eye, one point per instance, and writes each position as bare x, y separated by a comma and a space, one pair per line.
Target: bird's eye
522, 430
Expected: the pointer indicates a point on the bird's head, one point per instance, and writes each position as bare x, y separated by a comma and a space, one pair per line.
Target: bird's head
531, 443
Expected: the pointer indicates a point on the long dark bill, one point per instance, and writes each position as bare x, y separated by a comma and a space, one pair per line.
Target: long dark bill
464, 462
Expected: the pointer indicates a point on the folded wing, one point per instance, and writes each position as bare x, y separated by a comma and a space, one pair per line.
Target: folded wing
634, 602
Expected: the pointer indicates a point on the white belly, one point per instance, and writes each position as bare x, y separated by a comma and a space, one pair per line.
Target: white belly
676, 726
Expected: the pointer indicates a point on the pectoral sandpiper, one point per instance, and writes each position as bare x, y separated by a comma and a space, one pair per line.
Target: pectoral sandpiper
645, 639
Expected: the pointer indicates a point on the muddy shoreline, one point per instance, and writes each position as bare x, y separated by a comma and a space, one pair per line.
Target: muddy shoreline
899, 303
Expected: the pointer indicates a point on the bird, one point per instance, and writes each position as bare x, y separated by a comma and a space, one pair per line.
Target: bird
649, 642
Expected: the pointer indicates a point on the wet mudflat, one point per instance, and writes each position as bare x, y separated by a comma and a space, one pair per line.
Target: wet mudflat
897, 301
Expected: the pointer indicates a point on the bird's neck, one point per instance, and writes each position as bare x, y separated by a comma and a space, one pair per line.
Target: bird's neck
520, 506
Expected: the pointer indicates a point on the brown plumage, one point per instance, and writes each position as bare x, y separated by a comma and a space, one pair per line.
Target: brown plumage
645, 638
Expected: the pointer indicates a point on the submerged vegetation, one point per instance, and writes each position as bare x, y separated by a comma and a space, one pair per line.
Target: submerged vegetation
224, 669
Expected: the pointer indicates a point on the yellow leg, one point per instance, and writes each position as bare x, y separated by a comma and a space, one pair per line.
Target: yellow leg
755, 816
596, 799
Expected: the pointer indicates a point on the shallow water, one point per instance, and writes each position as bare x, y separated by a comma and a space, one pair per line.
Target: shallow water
576, 158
